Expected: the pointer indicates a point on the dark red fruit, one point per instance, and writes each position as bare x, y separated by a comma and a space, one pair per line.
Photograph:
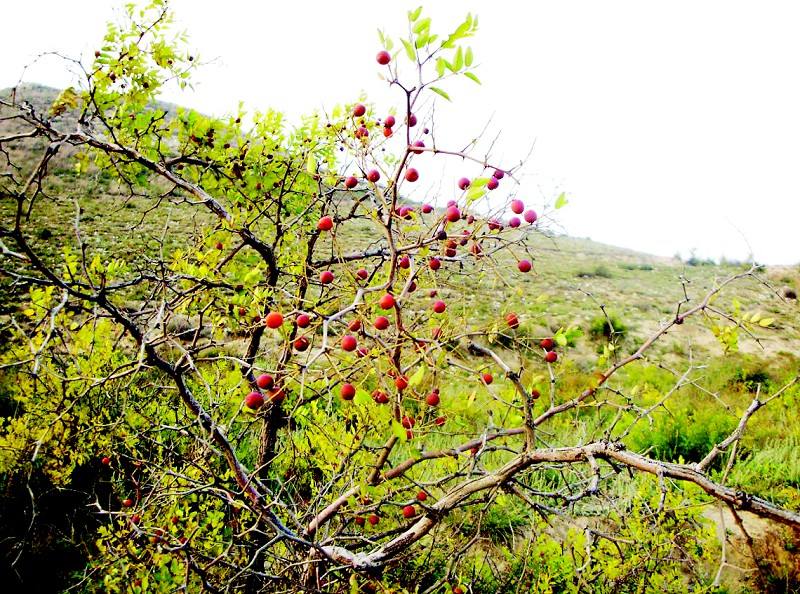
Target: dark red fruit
347, 391
349, 343
359, 110
254, 400
387, 301
265, 381
383, 57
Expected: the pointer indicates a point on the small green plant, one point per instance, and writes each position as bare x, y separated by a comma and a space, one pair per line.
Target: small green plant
607, 327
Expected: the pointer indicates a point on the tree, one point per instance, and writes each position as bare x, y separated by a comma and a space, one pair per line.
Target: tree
274, 393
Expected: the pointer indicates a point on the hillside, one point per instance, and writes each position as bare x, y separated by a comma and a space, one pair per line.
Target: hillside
572, 277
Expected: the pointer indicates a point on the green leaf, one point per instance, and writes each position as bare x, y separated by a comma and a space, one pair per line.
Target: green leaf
441, 64
475, 192
439, 91
472, 77
468, 57
422, 25
362, 397
458, 62
479, 182
766, 322
418, 376
409, 50
413, 15
561, 201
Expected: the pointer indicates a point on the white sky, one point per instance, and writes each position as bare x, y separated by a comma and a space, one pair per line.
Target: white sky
670, 125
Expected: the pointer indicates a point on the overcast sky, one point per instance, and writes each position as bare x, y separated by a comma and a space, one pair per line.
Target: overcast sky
671, 126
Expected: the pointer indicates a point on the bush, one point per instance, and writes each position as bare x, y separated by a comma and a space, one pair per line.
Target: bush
607, 327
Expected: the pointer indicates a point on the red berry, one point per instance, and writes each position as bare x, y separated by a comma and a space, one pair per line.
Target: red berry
440, 421
432, 399
326, 277
439, 307
373, 175
349, 343
463, 183
404, 262
517, 206
242, 311
409, 511
411, 120
401, 382
487, 378
303, 320
359, 110
551, 357
387, 132
387, 301
412, 175
427, 209
530, 216
105, 461
127, 502
359, 521
418, 145
492, 184
381, 323
265, 381
458, 590
274, 320
136, 518
422, 496
524, 265
389, 121
219, 245
512, 320
380, 397
514, 222
277, 395
362, 274
383, 57
373, 519
435, 263
453, 214
547, 344
301, 343
254, 400
498, 174
535, 393
408, 422
347, 391
325, 224
350, 182
361, 132
354, 326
